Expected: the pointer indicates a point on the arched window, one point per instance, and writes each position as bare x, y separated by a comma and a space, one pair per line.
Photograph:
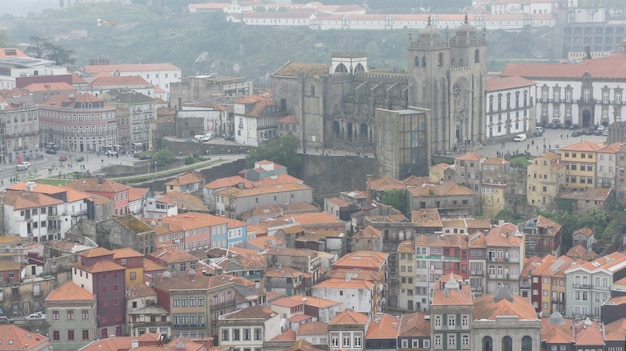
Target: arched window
487, 344
477, 56
440, 59
507, 343
527, 343
341, 68
424, 61
417, 61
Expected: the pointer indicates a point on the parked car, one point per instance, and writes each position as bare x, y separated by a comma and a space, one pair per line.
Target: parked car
80, 159
62, 158
36, 315
605, 133
577, 133
111, 153
520, 137
598, 132
4, 319
51, 151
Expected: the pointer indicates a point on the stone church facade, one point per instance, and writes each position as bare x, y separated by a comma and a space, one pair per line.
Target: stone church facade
335, 104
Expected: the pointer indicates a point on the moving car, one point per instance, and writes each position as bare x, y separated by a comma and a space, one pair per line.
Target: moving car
51, 151
520, 137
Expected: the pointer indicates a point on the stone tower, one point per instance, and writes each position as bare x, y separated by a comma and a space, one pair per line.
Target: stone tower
447, 75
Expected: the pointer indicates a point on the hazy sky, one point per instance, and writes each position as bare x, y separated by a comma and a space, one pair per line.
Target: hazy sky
23, 7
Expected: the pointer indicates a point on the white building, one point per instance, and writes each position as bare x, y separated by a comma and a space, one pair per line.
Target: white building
158, 74
355, 295
15, 63
586, 94
510, 110
249, 328
34, 215
256, 119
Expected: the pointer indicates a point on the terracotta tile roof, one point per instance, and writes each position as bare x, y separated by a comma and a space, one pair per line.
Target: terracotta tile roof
448, 188
505, 235
551, 266
137, 67
608, 263
577, 252
470, 156
313, 328
407, 246
22, 338
337, 201
610, 67
278, 179
356, 274
283, 272
591, 194
589, 333
289, 335
76, 195
550, 227
298, 318
70, 291
426, 218
49, 87
506, 83
121, 343
252, 312
362, 259
386, 183
96, 252
93, 185
349, 317
383, 326
139, 290
190, 177
485, 307
289, 301
119, 81
12, 53
266, 242
24, 199
495, 161
344, 284
270, 189
585, 231
453, 297
415, 181
414, 324
71, 101
125, 252
190, 281
615, 331
171, 255
151, 266
557, 330
291, 119
10, 239
587, 146
369, 232
355, 194
186, 201
617, 300
101, 266
611, 149
294, 69
135, 194
315, 218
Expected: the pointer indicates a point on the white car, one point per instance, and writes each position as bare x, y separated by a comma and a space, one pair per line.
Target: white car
36, 315
26, 164
520, 137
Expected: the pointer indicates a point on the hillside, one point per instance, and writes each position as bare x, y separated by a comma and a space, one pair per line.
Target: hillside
206, 43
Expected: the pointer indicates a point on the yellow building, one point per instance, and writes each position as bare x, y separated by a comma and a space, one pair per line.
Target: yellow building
546, 175
580, 159
133, 261
492, 198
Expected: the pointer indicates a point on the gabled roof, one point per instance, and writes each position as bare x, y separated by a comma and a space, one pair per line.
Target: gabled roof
252, 312
20, 200
505, 235
14, 338
362, 259
610, 67
448, 188
453, 297
383, 326
487, 307
70, 291
414, 324
506, 83
294, 69
98, 185
313, 328
121, 343
584, 145
349, 317
120, 81
171, 255
470, 156
386, 183
426, 218
557, 330
135, 194
125, 252
131, 67
190, 177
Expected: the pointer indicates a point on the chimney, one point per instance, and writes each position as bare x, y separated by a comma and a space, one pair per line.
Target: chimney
30, 186
100, 179
368, 189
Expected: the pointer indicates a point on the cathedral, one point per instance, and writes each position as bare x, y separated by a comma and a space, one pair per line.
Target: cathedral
335, 104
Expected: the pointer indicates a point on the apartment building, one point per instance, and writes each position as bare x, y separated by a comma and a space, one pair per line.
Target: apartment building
195, 302
468, 170
71, 312
176, 261
542, 236
347, 331
452, 199
589, 285
581, 160
144, 314
451, 315
414, 332
256, 119
505, 257
548, 293
510, 106
35, 216
138, 108
97, 273
232, 202
114, 191
620, 175
158, 74
547, 174
606, 173
20, 130
249, 328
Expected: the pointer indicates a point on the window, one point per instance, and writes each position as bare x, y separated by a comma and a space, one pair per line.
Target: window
70, 335
451, 340
85, 334
85, 314
451, 320
70, 315
507, 343
334, 339
246, 334
257, 333
487, 344
176, 302
437, 321
225, 334
464, 340
357, 341
346, 340
464, 321
527, 343
133, 275
235, 334
437, 340
55, 315
56, 335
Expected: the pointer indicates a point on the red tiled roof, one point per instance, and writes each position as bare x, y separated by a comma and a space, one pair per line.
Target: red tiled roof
70, 291
506, 83
610, 67
349, 317
21, 339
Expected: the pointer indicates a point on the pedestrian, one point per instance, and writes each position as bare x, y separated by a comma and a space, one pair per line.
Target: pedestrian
102, 160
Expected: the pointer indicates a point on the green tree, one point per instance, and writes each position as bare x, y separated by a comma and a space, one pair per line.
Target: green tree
44, 49
283, 150
164, 157
396, 199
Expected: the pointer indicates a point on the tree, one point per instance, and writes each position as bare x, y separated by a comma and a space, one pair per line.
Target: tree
283, 150
396, 199
42, 48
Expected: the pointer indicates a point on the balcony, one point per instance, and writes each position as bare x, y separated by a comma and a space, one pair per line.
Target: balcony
581, 286
222, 305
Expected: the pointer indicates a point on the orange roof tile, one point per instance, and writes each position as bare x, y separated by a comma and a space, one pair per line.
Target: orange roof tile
138, 67
70, 291
587, 146
470, 156
506, 83
557, 330
95, 185
349, 318
362, 259
485, 307
505, 235
313, 328
190, 177
448, 188
414, 324
610, 67
289, 335
22, 339
135, 194
386, 183
24, 199
126, 252
383, 326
